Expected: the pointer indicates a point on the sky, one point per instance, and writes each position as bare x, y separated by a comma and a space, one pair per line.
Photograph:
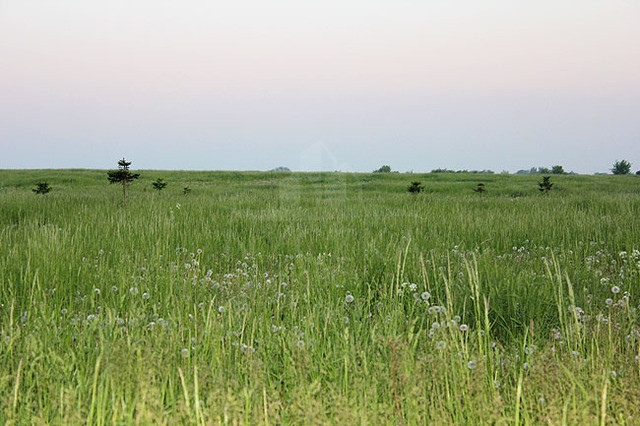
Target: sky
344, 85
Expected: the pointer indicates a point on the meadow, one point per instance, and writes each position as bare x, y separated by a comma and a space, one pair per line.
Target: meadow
319, 298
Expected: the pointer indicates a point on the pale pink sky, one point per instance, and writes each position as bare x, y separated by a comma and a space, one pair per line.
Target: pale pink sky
254, 84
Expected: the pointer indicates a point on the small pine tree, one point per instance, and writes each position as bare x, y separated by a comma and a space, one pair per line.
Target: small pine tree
622, 167
123, 176
42, 188
545, 185
159, 184
480, 188
415, 187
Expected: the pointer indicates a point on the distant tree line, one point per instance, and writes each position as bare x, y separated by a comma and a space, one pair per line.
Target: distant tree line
461, 171
554, 170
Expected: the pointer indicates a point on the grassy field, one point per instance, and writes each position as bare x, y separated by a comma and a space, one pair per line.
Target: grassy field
266, 298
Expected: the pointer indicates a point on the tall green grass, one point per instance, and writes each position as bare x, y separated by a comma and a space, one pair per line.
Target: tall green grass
319, 298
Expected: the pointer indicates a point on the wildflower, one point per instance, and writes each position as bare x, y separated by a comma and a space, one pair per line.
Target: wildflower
440, 345
96, 291
64, 311
464, 327
472, 365
425, 296
299, 343
349, 298
615, 289
185, 353
114, 289
200, 305
91, 317
413, 287
609, 302
133, 290
221, 309
199, 251
145, 296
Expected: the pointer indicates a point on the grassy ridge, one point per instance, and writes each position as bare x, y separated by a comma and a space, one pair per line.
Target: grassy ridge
312, 297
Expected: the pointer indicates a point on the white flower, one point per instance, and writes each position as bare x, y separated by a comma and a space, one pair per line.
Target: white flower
615, 289
185, 353
472, 365
425, 296
413, 287
349, 298
145, 296
464, 327
96, 291
221, 309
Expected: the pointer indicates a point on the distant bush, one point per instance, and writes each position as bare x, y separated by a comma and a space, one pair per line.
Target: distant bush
622, 167
415, 187
558, 170
42, 188
545, 185
383, 169
281, 169
159, 184
480, 188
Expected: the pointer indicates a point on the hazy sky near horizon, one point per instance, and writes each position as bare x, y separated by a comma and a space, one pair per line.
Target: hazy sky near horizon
320, 84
